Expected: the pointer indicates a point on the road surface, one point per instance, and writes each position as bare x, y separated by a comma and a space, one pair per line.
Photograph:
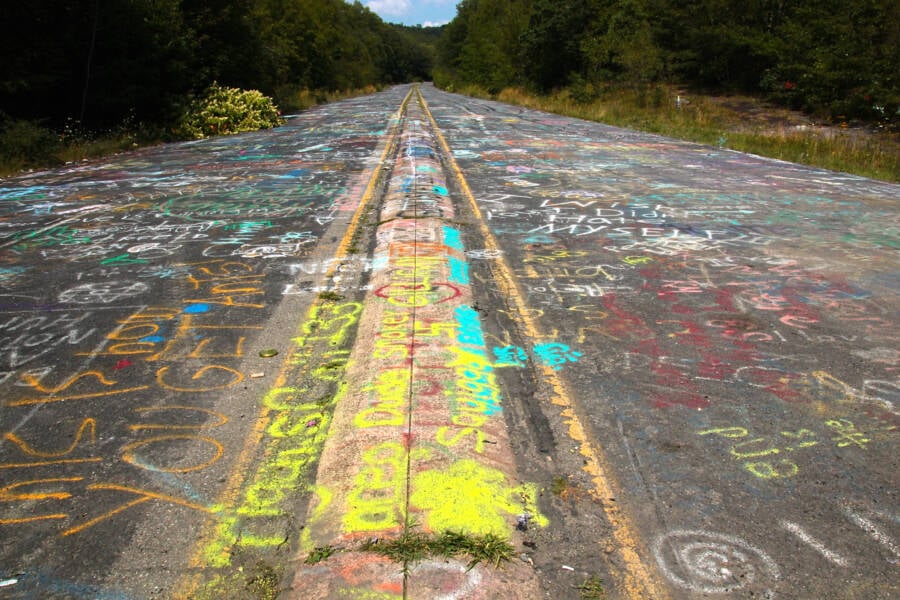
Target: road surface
226, 365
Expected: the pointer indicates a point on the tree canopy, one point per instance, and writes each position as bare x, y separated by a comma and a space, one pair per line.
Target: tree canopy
102, 61
826, 56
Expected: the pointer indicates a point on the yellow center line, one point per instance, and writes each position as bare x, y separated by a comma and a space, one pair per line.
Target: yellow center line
640, 580
373, 181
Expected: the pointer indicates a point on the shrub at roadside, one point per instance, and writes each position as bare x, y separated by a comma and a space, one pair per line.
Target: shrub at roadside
25, 144
224, 110
34, 145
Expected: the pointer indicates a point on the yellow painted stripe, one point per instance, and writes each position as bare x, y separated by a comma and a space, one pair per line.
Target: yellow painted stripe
373, 181
241, 470
639, 580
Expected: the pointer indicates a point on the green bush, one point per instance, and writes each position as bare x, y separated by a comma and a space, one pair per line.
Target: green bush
582, 90
224, 110
26, 144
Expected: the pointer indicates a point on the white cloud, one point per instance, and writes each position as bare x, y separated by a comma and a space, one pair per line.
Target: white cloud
390, 7
434, 23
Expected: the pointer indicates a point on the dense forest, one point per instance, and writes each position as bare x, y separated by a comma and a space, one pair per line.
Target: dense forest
830, 57
102, 62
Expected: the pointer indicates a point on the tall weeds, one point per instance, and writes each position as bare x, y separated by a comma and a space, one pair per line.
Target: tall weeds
658, 109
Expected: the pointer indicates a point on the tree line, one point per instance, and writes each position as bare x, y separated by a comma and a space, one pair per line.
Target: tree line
102, 62
831, 57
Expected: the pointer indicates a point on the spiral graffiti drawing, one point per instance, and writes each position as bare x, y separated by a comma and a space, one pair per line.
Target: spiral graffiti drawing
714, 563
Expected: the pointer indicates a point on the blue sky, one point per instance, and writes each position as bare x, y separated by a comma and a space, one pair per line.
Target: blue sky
414, 12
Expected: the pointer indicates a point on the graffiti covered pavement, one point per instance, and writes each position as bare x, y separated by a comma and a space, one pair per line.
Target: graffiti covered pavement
240, 367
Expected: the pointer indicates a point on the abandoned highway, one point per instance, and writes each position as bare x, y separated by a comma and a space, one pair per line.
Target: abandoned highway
240, 367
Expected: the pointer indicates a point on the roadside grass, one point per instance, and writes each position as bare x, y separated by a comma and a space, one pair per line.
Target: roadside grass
708, 120
29, 145
26, 145
103, 146
294, 99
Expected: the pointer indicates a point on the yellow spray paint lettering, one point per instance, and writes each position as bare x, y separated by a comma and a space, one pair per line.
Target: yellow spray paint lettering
375, 502
443, 440
329, 323
298, 431
385, 352
468, 359
767, 470
392, 391
272, 399
469, 419
291, 424
738, 449
472, 498
728, 432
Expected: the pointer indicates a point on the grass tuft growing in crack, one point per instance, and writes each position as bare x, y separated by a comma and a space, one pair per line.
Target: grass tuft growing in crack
264, 582
413, 546
559, 485
330, 297
319, 554
410, 547
592, 589
488, 548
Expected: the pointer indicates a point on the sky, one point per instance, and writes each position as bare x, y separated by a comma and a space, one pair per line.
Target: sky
428, 13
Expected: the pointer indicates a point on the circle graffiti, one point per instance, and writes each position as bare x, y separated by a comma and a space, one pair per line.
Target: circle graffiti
713, 563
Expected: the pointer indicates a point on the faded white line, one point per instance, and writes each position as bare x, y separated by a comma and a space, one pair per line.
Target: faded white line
815, 544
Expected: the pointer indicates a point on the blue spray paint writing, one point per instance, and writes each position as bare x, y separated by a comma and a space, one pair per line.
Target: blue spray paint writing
470, 332
459, 271
553, 355
452, 239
